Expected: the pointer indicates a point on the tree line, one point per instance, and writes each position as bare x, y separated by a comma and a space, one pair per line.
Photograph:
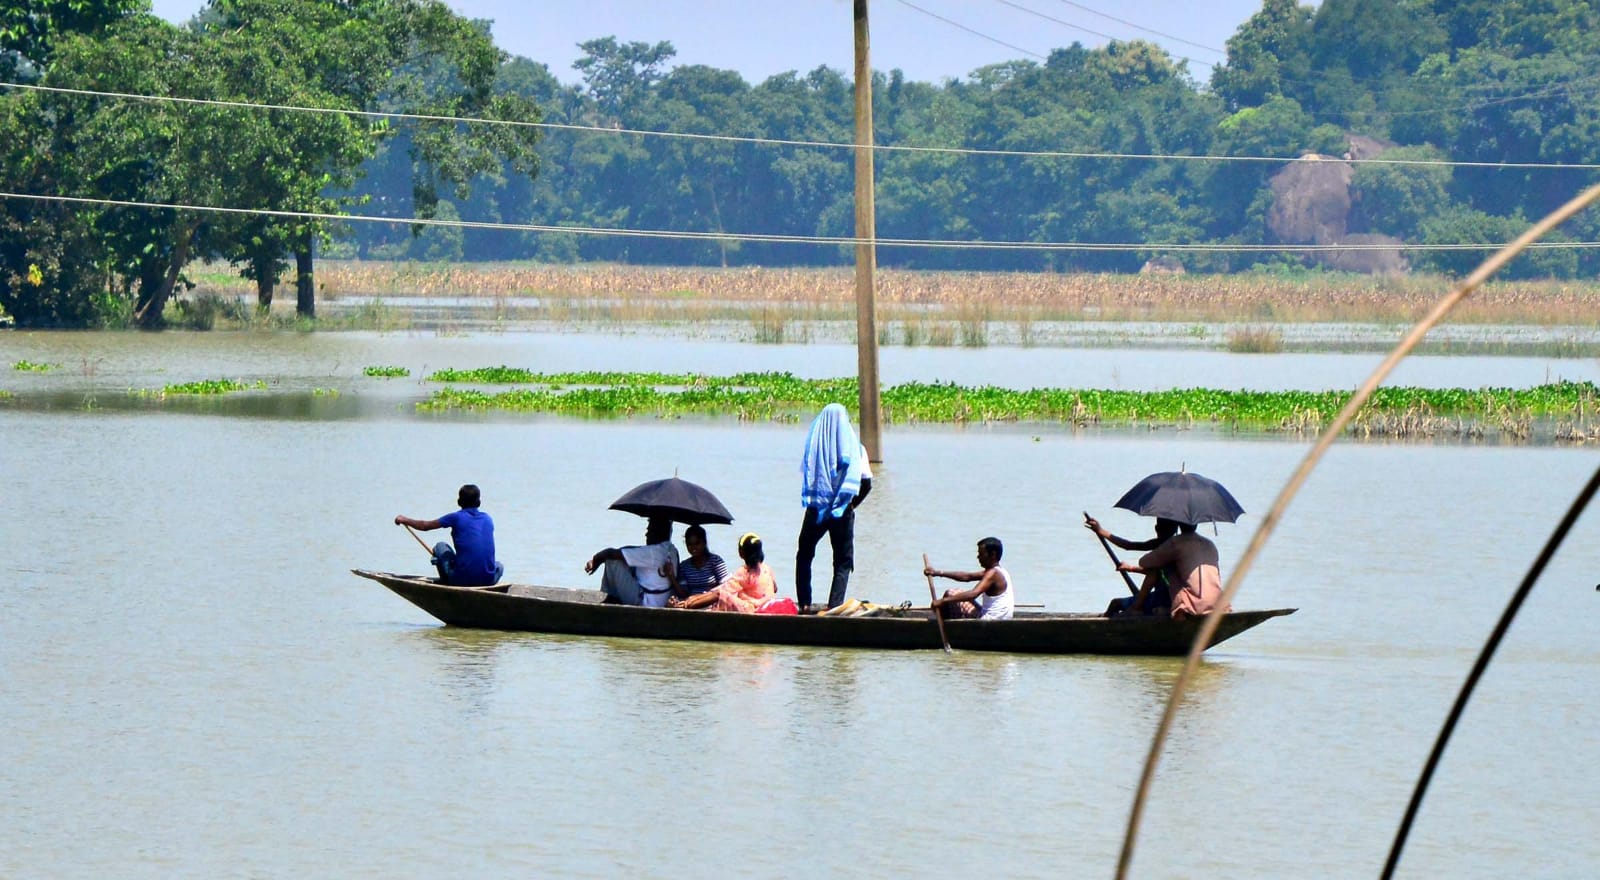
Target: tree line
1426, 82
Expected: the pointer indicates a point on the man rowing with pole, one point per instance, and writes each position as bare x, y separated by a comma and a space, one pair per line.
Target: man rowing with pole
1154, 596
471, 562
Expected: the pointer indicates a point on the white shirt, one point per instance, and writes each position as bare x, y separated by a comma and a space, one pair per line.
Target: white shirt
998, 607
646, 561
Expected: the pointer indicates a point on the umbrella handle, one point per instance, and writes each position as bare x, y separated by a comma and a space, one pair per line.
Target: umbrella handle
1114, 560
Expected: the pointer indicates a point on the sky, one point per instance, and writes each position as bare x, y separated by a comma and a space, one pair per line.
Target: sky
928, 40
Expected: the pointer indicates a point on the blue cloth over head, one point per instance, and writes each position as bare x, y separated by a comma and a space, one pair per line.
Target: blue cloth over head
830, 470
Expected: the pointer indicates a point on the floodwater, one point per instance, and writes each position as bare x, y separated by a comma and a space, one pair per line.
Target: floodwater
193, 685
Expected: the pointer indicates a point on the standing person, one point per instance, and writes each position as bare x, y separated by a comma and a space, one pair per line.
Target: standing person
1155, 592
1193, 559
471, 562
699, 573
639, 574
991, 599
835, 478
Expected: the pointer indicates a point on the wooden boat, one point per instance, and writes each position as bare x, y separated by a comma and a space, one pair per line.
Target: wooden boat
527, 608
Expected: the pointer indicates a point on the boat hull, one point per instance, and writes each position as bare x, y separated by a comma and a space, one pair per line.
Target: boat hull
527, 608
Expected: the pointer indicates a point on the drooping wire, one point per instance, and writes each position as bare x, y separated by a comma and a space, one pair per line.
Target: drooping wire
1579, 504
1269, 523
784, 142
973, 31
1079, 27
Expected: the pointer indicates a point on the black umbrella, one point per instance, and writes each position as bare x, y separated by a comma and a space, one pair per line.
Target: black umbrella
1182, 496
674, 499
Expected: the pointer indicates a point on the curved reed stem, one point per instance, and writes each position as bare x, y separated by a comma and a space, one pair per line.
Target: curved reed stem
1269, 523
1484, 656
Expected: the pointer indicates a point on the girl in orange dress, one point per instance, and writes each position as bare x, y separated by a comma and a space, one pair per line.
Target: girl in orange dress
751, 585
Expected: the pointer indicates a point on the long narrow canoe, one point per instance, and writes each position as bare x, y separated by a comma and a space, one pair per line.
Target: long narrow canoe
527, 608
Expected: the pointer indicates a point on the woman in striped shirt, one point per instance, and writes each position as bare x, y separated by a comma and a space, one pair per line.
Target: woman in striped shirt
700, 572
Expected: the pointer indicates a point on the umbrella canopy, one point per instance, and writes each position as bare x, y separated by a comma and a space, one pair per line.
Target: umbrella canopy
1182, 496
674, 499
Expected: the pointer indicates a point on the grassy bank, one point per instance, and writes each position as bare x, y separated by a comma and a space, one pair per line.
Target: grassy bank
1564, 410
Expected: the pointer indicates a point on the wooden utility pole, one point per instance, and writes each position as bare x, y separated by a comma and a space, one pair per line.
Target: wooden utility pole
866, 248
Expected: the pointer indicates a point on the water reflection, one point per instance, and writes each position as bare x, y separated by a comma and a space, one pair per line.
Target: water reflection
466, 661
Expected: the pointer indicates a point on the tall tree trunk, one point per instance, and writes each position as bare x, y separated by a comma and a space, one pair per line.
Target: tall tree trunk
265, 282
305, 287
148, 315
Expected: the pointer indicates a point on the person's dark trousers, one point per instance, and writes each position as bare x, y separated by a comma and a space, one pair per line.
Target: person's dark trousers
444, 559
841, 532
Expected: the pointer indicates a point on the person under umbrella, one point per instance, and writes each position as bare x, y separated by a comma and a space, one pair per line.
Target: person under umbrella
1194, 560
1187, 499
638, 574
1154, 594
700, 573
645, 574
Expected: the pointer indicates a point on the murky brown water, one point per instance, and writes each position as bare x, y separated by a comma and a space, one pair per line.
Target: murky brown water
194, 686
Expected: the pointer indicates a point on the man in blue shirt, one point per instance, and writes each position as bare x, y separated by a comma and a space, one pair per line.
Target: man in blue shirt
471, 562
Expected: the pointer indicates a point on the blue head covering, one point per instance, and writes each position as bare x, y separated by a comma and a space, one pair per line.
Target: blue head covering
830, 470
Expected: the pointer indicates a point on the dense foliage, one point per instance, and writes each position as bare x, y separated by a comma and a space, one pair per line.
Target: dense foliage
1421, 81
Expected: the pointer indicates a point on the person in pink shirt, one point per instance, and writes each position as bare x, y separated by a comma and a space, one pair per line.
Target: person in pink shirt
748, 587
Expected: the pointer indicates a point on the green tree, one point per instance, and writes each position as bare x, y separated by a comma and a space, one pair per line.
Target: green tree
1396, 199
29, 29
1269, 56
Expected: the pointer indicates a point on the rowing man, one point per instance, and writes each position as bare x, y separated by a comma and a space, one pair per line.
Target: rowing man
991, 599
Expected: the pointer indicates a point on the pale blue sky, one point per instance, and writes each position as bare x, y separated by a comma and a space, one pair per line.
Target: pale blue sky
759, 38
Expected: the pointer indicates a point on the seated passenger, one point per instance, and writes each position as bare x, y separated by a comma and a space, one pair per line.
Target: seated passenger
991, 599
638, 575
702, 571
748, 587
1193, 559
1155, 593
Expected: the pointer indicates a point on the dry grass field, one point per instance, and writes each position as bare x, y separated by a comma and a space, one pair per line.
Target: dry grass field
611, 292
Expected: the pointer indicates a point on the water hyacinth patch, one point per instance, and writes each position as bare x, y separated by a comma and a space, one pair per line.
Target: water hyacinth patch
1390, 412
26, 366
387, 372
213, 386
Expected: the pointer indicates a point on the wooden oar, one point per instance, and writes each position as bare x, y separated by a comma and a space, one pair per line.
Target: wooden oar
1114, 560
937, 617
420, 541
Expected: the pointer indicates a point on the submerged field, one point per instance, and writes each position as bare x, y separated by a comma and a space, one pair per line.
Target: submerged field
1249, 313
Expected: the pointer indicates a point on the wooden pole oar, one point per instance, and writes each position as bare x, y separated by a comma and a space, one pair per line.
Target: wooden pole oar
420, 541
1114, 560
937, 617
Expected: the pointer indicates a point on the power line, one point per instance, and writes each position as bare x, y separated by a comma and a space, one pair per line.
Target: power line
786, 142
973, 31
1078, 27
946, 244
1140, 27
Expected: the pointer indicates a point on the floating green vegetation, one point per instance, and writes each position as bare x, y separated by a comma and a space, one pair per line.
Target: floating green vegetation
324, 392
387, 372
1390, 412
209, 386
31, 367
